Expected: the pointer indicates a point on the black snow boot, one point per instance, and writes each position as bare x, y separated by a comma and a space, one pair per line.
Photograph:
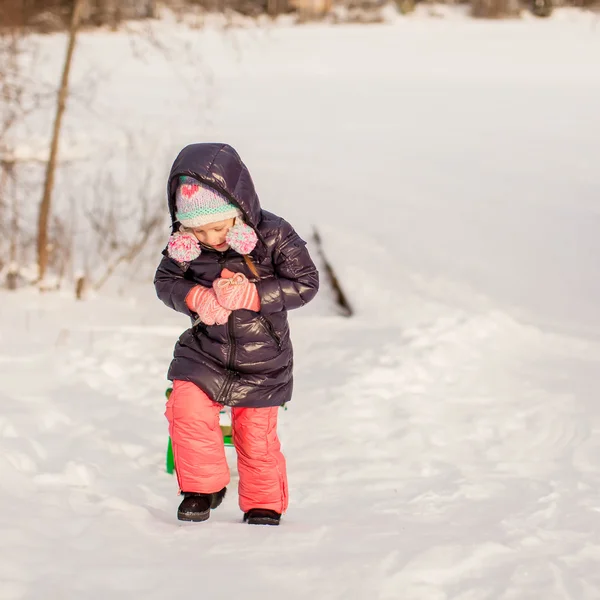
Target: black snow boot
262, 516
196, 507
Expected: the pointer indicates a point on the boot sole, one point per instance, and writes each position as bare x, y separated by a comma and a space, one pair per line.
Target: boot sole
261, 521
196, 517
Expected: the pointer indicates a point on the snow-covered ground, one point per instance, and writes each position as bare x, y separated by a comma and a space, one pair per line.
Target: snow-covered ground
443, 444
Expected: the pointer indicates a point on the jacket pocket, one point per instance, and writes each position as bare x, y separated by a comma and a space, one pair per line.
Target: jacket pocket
270, 329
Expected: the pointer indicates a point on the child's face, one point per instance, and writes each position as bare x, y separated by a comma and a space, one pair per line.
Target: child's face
213, 234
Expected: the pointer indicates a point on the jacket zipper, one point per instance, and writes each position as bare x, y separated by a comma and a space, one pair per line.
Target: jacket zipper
226, 389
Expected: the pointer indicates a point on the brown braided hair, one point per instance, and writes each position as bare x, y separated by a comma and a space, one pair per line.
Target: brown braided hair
251, 265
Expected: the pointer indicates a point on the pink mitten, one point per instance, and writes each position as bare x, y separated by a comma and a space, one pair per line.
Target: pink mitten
234, 291
203, 301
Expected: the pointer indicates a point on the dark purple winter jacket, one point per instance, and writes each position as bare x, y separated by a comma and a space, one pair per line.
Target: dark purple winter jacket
248, 361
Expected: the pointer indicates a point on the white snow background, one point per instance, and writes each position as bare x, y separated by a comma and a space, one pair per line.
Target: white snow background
443, 443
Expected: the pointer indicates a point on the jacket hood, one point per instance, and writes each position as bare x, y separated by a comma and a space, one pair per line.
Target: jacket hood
221, 167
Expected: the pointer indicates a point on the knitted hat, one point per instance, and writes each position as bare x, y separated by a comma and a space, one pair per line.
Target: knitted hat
198, 204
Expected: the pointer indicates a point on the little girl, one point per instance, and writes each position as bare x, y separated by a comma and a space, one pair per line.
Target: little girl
236, 270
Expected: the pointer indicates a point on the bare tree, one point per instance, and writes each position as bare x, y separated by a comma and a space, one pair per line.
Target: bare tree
63, 92
120, 230
20, 96
9, 222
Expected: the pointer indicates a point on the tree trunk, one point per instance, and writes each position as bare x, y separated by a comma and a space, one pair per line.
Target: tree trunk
63, 92
9, 227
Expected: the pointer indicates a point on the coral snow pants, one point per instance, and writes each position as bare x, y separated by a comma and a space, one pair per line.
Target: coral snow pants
199, 453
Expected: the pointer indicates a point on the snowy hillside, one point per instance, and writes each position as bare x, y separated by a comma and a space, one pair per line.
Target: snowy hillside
443, 443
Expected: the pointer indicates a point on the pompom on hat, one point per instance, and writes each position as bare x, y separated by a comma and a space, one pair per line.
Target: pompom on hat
183, 247
196, 205
241, 237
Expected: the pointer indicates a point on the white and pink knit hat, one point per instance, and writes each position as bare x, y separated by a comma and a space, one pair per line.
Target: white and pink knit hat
197, 204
